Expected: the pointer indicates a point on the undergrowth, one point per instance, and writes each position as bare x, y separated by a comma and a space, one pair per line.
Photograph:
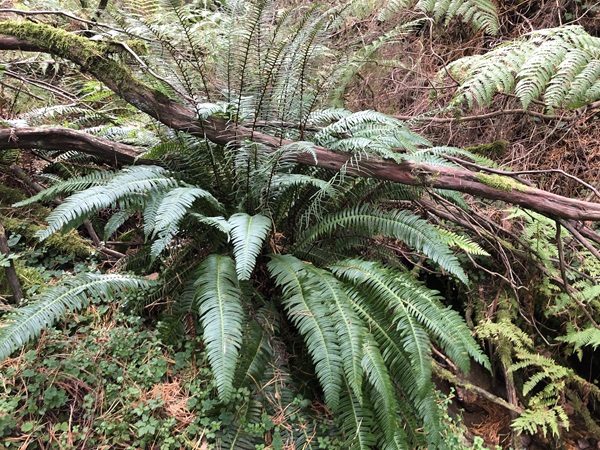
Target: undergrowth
105, 380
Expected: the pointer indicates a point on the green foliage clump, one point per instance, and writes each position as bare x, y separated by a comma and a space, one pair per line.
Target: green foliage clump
560, 66
106, 379
70, 242
30, 279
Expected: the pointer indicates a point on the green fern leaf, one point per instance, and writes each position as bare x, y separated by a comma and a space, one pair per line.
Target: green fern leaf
126, 188
248, 234
22, 325
589, 336
385, 401
357, 422
68, 186
417, 302
219, 300
313, 319
370, 222
115, 222
559, 65
369, 280
171, 209
350, 328
255, 355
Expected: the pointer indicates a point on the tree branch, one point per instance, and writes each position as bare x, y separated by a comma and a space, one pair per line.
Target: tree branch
58, 138
93, 58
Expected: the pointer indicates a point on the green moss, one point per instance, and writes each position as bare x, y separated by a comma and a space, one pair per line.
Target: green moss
138, 46
8, 196
69, 243
91, 56
28, 277
501, 183
56, 40
496, 148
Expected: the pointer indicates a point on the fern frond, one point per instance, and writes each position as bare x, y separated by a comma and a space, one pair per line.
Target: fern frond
127, 187
413, 300
307, 311
385, 402
363, 56
171, 209
544, 419
219, 300
323, 117
248, 234
482, 14
357, 422
419, 408
66, 187
559, 65
370, 132
350, 328
464, 243
589, 336
399, 301
115, 222
404, 225
22, 325
255, 355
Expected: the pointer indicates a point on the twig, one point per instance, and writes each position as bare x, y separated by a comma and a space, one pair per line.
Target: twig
72, 17
459, 381
502, 112
563, 272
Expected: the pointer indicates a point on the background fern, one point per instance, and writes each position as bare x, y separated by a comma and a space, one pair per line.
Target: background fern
559, 66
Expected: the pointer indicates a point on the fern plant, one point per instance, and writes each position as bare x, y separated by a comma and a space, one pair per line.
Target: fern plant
263, 253
481, 14
546, 380
559, 66
367, 326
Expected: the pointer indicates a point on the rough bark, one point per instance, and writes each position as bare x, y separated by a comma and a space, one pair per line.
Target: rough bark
59, 138
92, 57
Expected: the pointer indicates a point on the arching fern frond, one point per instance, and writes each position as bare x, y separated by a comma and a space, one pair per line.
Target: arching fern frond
248, 234
560, 66
127, 187
350, 328
370, 221
219, 300
171, 209
589, 336
481, 14
385, 400
357, 422
370, 132
67, 186
312, 317
418, 302
22, 325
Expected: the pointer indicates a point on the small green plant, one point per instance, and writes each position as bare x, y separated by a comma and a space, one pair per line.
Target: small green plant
110, 381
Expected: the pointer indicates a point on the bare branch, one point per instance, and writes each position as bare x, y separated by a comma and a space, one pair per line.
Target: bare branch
58, 138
